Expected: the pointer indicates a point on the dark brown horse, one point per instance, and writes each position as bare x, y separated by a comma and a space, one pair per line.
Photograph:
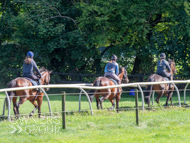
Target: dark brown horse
108, 93
161, 89
28, 94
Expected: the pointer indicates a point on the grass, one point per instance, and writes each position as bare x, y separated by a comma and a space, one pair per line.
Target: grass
159, 125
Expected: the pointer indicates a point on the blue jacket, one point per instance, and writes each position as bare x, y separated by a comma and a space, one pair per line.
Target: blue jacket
112, 67
28, 69
161, 67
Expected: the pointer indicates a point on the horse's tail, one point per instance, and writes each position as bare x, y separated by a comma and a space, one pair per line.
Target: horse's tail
92, 92
11, 94
148, 89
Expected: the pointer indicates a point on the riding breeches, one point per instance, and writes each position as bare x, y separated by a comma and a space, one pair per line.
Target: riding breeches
114, 76
164, 74
34, 77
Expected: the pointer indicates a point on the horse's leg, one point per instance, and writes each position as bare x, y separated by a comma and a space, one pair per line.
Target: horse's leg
159, 95
100, 104
21, 101
169, 98
97, 100
117, 101
39, 100
97, 103
36, 107
106, 94
114, 94
113, 103
14, 105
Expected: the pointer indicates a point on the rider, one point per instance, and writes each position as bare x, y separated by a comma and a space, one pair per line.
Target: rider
28, 66
112, 69
162, 65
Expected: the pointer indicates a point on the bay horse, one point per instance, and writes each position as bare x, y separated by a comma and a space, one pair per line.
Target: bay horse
28, 94
161, 89
108, 93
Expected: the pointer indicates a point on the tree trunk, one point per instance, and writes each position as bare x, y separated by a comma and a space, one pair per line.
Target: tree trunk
136, 68
97, 65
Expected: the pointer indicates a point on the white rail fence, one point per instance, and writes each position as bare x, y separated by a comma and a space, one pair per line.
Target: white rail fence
89, 86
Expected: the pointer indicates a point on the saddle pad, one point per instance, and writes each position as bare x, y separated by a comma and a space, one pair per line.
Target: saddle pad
34, 83
112, 80
166, 78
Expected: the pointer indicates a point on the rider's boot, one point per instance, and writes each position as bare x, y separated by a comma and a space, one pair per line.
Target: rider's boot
39, 83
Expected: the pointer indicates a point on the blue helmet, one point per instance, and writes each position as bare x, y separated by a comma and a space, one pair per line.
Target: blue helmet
162, 56
114, 57
30, 54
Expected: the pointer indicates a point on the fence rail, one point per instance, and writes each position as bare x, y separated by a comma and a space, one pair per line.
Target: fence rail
89, 86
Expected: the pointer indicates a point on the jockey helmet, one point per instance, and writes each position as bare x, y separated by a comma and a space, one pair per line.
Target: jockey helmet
30, 54
114, 57
162, 56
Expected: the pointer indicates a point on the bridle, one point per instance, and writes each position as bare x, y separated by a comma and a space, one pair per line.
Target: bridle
46, 83
172, 70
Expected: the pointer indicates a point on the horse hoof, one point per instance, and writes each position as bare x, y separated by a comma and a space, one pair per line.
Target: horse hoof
30, 115
111, 108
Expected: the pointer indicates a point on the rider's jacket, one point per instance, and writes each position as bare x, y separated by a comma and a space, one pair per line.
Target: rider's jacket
28, 69
162, 65
112, 67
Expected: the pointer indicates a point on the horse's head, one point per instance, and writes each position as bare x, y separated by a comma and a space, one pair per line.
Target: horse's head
45, 79
172, 66
125, 77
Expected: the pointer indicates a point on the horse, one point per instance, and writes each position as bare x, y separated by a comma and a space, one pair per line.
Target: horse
108, 93
161, 89
28, 94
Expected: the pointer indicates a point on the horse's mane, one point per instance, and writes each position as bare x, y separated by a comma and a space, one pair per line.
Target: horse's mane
42, 69
170, 61
120, 70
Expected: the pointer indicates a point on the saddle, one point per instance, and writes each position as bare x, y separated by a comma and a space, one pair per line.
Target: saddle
166, 78
34, 83
115, 82
109, 77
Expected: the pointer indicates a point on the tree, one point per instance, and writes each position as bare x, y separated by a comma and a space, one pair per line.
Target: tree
132, 27
48, 29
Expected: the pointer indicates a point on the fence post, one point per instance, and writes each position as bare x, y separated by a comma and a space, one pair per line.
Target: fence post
142, 96
136, 106
177, 94
63, 111
80, 100
185, 92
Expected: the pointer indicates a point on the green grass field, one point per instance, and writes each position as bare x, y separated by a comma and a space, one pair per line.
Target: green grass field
158, 125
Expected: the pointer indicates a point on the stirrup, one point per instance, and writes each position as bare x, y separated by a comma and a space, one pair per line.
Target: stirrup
38, 90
